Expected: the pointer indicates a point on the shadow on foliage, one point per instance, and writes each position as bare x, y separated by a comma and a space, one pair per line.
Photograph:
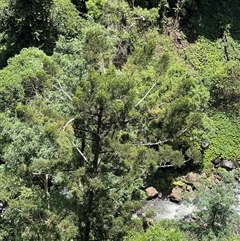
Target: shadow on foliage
163, 178
199, 17
209, 18
26, 24
144, 3
80, 6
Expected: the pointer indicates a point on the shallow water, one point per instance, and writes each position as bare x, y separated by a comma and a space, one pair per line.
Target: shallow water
165, 209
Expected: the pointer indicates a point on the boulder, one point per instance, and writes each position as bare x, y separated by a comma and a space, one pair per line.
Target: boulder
216, 161
205, 144
188, 188
192, 177
236, 163
151, 193
176, 195
228, 165
160, 195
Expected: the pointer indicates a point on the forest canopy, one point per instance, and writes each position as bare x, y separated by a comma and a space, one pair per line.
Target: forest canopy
96, 96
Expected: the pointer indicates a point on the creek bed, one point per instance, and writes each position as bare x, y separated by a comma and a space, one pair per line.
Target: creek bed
165, 209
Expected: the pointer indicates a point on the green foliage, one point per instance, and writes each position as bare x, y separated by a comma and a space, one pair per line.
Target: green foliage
118, 14
125, 24
206, 19
226, 92
223, 138
144, 51
217, 64
29, 153
166, 234
233, 237
178, 183
99, 46
93, 48
149, 17
150, 213
66, 19
27, 24
28, 216
216, 217
35, 72
174, 106
119, 98
33, 145
35, 23
95, 8
108, 90
170, 156
207, 58
114, 168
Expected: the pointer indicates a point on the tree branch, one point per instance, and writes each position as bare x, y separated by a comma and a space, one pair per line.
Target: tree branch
155, 143
64, 127
144, 97
183, 131
79, 151
171, 165
61, 89
167, 140
37, 173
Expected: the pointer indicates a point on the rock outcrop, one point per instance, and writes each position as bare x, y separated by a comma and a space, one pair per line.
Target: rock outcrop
176, 195
224, 163
151, 193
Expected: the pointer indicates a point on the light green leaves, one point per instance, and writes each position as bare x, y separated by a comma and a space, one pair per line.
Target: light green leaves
223, 137
26, 76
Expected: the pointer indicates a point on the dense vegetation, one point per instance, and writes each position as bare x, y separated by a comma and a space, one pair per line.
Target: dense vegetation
96, 96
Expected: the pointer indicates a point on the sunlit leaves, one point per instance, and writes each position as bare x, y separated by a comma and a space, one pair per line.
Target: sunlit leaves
167, 234
223, 137
65, 16
35, 71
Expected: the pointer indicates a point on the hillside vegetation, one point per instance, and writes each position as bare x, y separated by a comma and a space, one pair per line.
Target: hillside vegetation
96, 96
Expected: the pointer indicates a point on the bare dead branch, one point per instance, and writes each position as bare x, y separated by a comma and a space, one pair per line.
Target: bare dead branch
140, 18
62, 90
64, 127
156, 143
37, 173
182, 132
79, 151
145, 96
171, 165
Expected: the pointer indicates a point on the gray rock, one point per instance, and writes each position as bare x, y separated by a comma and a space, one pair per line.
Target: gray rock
217, 161
205, 144
228, 165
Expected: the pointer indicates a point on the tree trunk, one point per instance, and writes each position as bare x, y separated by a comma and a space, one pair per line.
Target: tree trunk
47, 194
85, 220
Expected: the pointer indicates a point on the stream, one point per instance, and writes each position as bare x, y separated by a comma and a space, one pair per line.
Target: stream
165, 209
